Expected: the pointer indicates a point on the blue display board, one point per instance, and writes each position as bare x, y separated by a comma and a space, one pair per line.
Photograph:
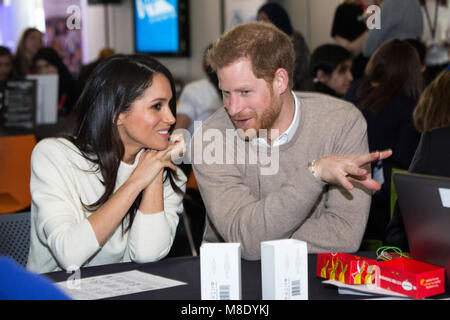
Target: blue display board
160, 27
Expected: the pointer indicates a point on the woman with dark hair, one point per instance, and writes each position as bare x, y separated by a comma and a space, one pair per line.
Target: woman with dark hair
432, 157
6, 73
6, 65
30, 42
433, 109
48, 61
110, 193
277, 15
330, 68
387, 96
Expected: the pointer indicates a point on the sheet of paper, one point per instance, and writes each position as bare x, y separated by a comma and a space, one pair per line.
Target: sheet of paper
363, 288
116, 284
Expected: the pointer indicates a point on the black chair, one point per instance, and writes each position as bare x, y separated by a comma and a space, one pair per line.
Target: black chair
15, 236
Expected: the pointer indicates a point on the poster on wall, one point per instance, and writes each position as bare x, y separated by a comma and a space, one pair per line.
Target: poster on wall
62, 32
240, 11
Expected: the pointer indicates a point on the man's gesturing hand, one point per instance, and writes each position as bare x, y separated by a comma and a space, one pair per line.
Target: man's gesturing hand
341, 170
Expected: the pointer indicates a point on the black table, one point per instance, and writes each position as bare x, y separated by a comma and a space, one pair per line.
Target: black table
187, 269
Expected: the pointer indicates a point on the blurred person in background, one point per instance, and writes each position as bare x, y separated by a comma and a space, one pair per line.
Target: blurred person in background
6, 71
436, 35
6, 64
48, 61
330, 68
432, 157
349, 24
387, 96
30, 42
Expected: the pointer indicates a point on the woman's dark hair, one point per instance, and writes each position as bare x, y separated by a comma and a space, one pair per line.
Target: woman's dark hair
420, 47
66, 81
111, 90
327, 58
278, 16
393, 69
4, 51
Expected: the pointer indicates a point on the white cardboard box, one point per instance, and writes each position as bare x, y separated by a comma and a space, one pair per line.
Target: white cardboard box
220, 271
47, 98
284, 270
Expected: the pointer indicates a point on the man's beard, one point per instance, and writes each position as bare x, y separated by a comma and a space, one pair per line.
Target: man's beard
263, 122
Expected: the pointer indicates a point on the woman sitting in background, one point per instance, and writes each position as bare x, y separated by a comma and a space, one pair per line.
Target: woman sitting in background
432, 118
6, 65
110, 193
6, 73
331, 69
48, 61
387, 95
30, 42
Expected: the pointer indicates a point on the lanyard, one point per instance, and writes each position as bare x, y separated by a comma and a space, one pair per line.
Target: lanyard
434, 26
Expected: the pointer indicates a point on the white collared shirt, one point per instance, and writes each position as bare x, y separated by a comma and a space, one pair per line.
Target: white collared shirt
286, 136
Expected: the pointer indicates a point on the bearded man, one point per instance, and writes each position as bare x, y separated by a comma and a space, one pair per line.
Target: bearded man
320, 191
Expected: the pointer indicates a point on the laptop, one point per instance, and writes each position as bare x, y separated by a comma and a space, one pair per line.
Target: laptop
425, 208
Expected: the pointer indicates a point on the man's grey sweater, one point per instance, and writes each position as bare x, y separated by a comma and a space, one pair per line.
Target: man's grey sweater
251, 202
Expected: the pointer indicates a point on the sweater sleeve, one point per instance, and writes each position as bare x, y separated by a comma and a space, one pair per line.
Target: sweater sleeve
152, 235
55, 211
341, 222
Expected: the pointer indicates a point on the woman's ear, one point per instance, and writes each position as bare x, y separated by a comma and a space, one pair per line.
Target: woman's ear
281, 81
321, 76
120, 118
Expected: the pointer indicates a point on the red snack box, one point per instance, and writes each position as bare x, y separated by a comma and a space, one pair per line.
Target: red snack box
411, 277
346, 268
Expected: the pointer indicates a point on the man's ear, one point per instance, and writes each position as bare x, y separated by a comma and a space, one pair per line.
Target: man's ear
281, 81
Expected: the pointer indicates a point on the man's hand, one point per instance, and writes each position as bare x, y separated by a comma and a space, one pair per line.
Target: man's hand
340, 170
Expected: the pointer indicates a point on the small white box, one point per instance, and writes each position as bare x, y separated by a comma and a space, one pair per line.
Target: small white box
220, 271
284, 270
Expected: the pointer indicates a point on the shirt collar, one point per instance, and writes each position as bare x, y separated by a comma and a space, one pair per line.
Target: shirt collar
286, 136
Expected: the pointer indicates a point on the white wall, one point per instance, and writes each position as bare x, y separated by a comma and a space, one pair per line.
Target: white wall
313, 18
299, 14
321, 17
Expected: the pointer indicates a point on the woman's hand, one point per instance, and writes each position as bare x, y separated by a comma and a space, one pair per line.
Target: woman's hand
152, 162
340, 170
